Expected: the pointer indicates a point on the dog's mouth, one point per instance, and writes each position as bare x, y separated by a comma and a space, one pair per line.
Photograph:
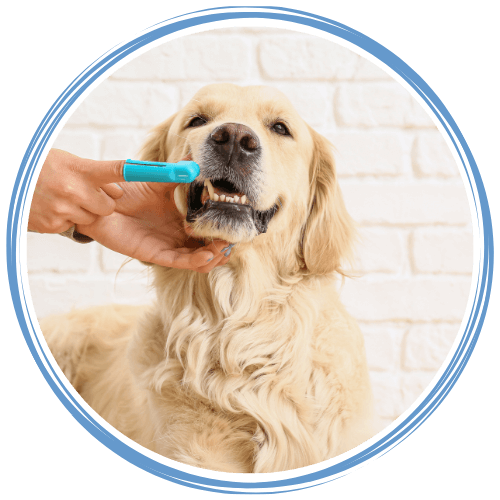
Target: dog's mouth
220, 203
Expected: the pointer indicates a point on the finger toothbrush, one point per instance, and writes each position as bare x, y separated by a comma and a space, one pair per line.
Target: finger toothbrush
156, 171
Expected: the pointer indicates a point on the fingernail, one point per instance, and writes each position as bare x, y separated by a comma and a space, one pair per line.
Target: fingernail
227, 253
210, 259
228, 248
116, 184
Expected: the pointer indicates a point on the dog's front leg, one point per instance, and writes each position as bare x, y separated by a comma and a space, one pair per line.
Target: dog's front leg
190, 432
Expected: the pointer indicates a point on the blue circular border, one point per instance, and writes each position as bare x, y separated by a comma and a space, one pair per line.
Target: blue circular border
482, 287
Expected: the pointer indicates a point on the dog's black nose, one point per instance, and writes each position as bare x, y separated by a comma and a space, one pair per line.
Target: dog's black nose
232, 153
233, 139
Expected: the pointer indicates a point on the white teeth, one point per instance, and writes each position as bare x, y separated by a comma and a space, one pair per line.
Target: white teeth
209, 189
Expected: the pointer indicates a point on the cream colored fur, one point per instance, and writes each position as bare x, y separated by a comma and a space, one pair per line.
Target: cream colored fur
255, 366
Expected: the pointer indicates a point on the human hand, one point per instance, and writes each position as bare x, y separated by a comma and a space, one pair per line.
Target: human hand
147, 226
73, 190
139, 220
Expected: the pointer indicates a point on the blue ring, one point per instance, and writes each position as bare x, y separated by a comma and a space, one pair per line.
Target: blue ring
482, 287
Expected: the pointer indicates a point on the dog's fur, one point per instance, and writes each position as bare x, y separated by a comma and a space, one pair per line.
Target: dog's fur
255, 366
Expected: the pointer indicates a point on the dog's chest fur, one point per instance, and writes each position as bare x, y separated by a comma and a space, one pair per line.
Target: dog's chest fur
262, 379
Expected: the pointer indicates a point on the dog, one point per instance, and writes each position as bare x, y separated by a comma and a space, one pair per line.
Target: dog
255, 366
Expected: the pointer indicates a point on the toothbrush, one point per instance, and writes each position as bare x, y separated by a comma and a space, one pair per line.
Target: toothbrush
155, 171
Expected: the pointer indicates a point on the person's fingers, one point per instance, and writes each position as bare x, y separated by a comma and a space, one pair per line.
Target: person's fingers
188, 229
224, 260
82, 216
52, 226
216, 244
180, 260
97, 202
219, 246
216, 262
102, 172
113, 190
201, 260
130, 237
222, 251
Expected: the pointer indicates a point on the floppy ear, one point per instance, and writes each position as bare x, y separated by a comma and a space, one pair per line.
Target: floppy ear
155, 147
329, 231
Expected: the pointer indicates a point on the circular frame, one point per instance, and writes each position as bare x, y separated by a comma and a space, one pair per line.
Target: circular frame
472, 324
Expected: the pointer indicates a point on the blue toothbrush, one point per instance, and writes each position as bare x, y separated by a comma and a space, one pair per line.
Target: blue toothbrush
156, 171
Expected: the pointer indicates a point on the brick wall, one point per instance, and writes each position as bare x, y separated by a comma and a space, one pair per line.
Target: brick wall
399, 179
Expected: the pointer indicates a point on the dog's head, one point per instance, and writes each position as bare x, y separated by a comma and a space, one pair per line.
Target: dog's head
262, 170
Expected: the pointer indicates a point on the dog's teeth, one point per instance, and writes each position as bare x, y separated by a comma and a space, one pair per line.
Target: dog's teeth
210, 188
223, 197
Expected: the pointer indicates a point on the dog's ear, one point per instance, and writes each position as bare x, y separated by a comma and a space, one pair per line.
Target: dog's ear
329, 231
155, 147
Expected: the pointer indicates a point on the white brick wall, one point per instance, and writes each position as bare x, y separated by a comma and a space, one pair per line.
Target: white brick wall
399, 179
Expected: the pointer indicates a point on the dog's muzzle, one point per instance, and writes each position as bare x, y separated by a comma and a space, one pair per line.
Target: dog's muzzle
231, 167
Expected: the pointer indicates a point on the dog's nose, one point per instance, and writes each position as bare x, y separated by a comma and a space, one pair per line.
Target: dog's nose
234, 138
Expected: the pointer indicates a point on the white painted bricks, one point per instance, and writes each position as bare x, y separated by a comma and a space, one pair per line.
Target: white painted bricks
407, 203
307, 58
442, 250
382, 298
116, 103
203, 58
378, 104
399, 179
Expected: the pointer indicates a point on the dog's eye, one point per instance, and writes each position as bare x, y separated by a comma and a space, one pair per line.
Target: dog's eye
197, 121
280, 128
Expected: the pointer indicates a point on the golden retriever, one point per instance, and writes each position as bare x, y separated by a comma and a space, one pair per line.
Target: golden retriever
255, 366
